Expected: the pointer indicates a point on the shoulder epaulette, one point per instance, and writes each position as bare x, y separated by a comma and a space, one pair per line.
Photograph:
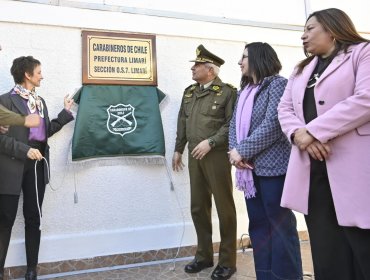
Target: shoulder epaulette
190, 88
230, 85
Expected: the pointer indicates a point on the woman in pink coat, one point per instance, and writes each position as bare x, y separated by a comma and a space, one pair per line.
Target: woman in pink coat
325, 112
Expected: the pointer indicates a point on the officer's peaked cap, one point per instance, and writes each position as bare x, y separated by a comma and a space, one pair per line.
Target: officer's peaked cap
204, 56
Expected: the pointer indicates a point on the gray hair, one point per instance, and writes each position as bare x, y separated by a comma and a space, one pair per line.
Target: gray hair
215, 68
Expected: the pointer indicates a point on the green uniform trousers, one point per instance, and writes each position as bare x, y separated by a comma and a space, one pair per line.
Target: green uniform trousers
212, 175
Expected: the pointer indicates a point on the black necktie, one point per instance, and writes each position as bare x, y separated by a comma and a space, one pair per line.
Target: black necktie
201, 88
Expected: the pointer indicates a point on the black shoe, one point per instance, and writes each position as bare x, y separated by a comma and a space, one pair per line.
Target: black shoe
222, 272
196, 266
31, 275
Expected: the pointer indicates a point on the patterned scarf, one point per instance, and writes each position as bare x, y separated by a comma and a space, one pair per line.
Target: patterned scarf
244, 177
34, 101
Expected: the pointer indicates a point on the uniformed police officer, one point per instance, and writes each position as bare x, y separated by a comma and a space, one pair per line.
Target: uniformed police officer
203, 123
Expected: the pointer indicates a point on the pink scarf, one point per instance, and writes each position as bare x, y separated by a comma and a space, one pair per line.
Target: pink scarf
34, 101
244, 177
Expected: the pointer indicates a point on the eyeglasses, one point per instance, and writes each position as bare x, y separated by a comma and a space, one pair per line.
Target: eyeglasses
244, 56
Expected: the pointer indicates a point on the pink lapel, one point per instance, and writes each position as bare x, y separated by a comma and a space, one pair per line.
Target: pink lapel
335, 64
299, 87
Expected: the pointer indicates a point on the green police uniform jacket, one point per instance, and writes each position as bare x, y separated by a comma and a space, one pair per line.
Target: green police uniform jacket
10, 118
205, 114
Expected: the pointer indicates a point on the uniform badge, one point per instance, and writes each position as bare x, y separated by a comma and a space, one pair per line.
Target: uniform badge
214, 107
121, 119
216, 88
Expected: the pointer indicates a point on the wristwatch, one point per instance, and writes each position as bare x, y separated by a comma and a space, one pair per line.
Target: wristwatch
211, 142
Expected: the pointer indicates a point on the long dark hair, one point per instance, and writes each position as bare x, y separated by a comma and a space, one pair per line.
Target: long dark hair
262, 62
22, 65
340, 26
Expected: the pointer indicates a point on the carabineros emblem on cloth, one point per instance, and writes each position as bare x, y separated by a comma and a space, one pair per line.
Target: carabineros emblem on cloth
121, 119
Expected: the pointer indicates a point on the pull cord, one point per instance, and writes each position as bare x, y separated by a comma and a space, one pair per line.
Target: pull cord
37, 192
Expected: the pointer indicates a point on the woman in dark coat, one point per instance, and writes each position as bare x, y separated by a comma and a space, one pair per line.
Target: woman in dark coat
20, 147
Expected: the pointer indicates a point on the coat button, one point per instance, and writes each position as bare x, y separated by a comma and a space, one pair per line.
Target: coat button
321, 102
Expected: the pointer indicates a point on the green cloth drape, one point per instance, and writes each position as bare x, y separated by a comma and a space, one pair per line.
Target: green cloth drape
118, 121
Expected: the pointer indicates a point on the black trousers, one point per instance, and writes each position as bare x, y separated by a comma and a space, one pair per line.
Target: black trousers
8, 211
338, 252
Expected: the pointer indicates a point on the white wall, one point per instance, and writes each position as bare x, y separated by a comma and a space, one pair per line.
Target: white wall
119, 209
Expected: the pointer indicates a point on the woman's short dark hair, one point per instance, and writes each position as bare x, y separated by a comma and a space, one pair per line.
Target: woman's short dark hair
262, 62
22, 65
340, 26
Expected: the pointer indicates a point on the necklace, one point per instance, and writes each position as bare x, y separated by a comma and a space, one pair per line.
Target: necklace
312, 82
322, 64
